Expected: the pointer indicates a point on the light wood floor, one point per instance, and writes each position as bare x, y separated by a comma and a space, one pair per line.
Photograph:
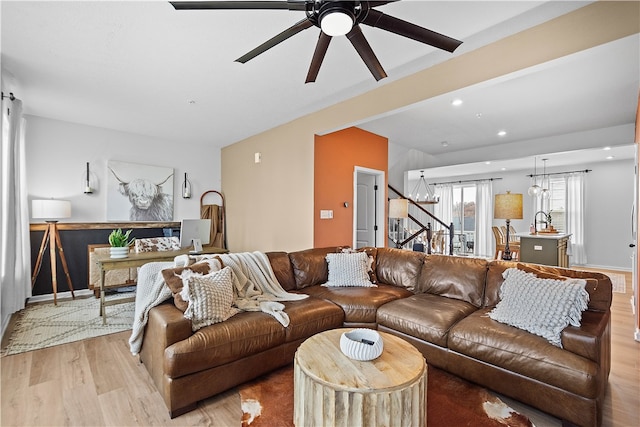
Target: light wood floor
96, 382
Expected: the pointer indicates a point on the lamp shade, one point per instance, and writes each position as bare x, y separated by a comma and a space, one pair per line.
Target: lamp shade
508, 206
50, 209
398, 208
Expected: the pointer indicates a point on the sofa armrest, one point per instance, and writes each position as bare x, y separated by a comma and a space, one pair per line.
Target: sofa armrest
592, 338
165, 327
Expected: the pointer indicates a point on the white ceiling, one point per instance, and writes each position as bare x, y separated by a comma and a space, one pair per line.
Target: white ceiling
145, 68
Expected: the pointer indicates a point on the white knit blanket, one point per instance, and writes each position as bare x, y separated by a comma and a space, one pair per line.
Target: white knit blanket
255, 286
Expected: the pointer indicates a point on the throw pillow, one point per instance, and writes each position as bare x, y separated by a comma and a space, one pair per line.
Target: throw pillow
541, 306
210, 298
348, 269
175, 277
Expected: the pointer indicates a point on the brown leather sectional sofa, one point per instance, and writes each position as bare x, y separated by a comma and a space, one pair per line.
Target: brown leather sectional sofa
438, 303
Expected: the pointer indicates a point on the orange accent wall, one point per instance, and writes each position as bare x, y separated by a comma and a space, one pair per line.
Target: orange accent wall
335, 157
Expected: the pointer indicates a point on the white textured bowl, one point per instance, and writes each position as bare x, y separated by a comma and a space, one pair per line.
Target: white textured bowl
352, 345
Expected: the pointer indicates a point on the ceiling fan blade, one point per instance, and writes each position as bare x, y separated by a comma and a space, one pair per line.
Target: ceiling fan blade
286, 4
380, 3
318, 57
291, 31
412, 31
358, 41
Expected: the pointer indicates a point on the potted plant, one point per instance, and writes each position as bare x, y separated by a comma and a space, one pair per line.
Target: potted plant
120, 243
548, 218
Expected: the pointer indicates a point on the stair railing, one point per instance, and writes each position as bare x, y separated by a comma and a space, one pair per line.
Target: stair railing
422, 226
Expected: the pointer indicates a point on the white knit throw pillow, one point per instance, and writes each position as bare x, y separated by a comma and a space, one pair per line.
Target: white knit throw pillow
541, 306
210, 298
348, 269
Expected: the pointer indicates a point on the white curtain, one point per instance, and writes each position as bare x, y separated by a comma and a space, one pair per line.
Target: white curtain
15, 250
444, 209
575, 218
484, 219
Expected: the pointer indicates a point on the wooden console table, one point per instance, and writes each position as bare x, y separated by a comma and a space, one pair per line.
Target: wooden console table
331, 389
106, 263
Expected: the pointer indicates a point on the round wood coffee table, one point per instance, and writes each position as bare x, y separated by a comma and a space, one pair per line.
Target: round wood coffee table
332, 390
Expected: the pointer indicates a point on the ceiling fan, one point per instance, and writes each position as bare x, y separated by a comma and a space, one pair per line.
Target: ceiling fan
334, 18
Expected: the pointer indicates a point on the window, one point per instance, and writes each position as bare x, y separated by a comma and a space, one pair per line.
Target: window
464, 217
555, 203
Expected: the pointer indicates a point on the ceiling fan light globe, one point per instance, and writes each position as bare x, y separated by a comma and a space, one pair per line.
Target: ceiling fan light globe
336, 23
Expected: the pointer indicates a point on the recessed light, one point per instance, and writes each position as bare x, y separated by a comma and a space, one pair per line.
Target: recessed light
607, 148
609, 157
502, 133
456, 102
487, 163
444, 143
503, 169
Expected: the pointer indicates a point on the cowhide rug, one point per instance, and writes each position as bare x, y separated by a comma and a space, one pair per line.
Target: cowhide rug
451, 401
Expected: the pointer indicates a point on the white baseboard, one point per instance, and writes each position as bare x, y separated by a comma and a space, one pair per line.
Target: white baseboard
60, 295
603, 267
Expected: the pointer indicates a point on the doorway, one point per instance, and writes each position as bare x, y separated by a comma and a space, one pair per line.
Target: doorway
368, 207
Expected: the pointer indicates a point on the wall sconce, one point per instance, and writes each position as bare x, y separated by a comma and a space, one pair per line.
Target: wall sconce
89, 181
186, 188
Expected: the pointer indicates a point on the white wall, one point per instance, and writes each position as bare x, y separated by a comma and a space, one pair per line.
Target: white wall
608, 198
57, 153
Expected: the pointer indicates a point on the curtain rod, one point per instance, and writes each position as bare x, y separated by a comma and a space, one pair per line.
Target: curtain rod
469, 180
11, 96
558, 173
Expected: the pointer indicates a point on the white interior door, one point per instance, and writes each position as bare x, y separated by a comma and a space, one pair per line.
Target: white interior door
368, 208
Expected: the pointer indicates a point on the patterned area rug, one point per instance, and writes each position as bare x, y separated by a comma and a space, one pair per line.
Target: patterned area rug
451, 401
45, 325
618, 281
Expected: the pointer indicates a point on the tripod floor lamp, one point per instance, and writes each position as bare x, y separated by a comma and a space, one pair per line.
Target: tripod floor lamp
51, 211
507, 206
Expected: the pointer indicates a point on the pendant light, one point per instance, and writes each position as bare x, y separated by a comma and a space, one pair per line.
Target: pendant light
545, 186
535, 189
428, 196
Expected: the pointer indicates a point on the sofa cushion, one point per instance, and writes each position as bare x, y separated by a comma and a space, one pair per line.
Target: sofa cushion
478, 336
541, 306
494, 281
359, 304
424, 316
210, 298
310, 266
173, 277
349, 269
281, 266
310, 316
454, 277
398, 267
242, 335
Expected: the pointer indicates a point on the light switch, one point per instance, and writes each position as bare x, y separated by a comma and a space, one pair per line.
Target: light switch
257, 157
326, 214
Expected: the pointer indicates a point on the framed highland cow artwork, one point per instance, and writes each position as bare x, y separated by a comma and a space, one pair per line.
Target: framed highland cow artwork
138, 192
